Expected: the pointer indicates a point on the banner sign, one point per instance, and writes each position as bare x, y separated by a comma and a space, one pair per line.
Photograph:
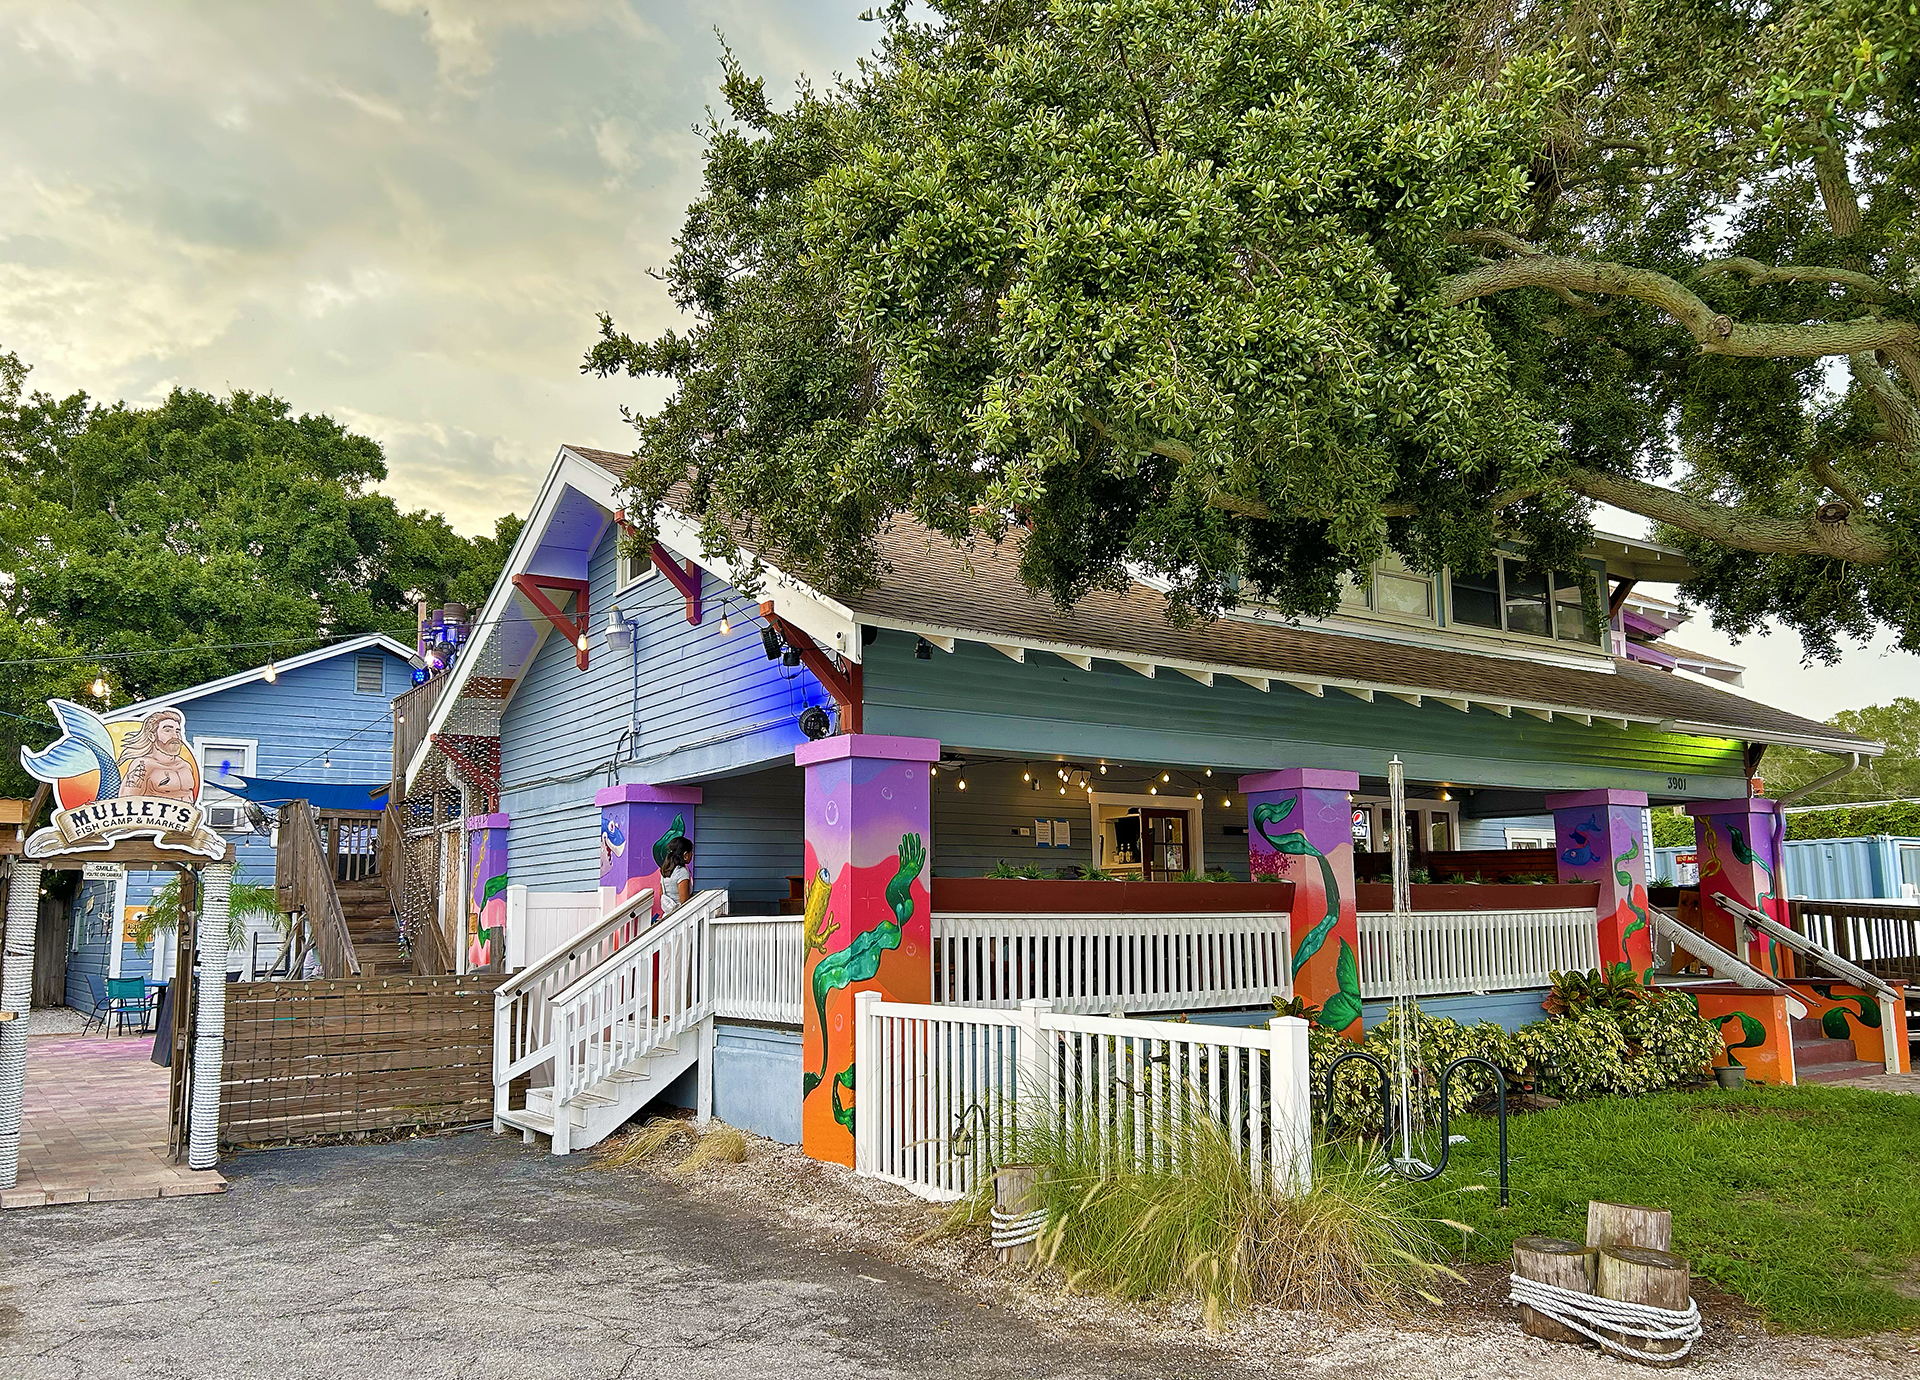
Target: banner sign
128, 778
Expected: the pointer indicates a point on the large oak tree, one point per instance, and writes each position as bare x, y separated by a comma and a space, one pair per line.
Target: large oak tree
1245, 293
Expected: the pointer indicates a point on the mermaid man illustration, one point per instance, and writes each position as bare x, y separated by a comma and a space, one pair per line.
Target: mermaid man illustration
95, 760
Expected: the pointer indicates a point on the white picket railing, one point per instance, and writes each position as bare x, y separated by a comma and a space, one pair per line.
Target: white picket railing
1099, 963
758, 967
941, 1094
1452, 952
646, 993
523, 1004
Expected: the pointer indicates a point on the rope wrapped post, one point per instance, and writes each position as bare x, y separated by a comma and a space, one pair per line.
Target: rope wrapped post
1019, 1211
16, 996
210, 1029
1565, 1266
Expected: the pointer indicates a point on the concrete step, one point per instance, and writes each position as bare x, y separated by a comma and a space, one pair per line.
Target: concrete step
1816, 1053
1835, 1073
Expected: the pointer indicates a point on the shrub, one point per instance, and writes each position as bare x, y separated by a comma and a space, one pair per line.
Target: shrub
1438, 1041
1671, 1035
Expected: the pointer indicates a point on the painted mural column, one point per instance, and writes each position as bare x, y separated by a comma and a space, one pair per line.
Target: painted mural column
1600, 836
637, 825
1738, 844
869, 909
1300, 829
487, 893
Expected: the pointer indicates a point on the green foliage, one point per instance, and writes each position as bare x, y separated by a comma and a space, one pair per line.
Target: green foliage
1895, 776
1347, 1247
163, 912
1900, 817
1245, 295
1827, 1246
1614, 991
192, 525
1672, 830
1656, 1042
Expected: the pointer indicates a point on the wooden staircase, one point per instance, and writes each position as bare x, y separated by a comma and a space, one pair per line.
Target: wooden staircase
1819, 1058
367, 909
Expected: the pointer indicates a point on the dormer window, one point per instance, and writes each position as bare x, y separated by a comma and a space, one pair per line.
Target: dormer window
1510, 598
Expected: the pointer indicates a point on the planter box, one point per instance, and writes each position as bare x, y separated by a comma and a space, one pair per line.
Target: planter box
994, 896
1378, 896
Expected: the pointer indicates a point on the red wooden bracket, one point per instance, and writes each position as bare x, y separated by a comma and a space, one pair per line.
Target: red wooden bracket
687, 581
842, 680
534, 588
477, 759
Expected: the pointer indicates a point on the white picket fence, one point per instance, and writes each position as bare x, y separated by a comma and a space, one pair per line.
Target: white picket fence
1453, 952
758, 967
1100, 963
538, 922
942, 1093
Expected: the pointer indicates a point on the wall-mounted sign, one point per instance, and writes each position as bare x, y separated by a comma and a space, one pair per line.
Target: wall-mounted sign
129, 778
102, 872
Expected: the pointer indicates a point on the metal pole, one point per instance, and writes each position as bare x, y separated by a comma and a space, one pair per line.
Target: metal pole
1402, 904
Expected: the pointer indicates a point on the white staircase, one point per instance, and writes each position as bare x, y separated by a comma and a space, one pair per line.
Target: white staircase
602, 1025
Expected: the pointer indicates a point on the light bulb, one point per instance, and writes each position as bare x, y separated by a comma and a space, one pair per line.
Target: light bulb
1063, 790
1227, 803
933, 771
581, 642
963, 783
1153, 790
1209, 771
1103, 768
1027, 775
726, 626
1166, 776
1197, 795
99, 687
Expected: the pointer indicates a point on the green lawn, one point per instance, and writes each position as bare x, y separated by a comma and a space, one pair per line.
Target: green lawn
1803, 1201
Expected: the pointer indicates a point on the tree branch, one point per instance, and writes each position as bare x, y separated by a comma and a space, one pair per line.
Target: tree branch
1868, 287
1896, 409
1715, 334
1859, 539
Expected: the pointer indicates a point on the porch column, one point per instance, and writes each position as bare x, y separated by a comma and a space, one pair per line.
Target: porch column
1599, 836
869, 912
210, 1021
637, 826
21, 916
1738, 843
1300, 829
487, 893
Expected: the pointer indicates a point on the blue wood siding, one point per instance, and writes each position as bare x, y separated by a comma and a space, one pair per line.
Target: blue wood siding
976, 698
752, 838
95, 925
1492, 833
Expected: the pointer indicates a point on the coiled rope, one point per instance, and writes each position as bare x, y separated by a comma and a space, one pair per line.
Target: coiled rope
1585, 1312
1012, 1229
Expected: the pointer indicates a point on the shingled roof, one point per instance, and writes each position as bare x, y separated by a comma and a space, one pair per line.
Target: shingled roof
975, 592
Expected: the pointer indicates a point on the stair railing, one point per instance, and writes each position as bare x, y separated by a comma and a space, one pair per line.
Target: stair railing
651, 990
304, 867
523, 1004
1890, 1001
1727, 965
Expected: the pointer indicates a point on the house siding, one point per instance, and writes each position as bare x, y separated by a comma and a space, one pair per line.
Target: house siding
976, 698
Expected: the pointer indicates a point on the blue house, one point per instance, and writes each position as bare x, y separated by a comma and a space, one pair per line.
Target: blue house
868, 784
321, 717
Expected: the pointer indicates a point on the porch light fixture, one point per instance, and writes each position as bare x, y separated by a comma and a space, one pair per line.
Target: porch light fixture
923, 650
815, 723
619, 634
770, 640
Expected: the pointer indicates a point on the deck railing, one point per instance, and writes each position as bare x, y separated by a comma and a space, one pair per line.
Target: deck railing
1882, 938
757, 965
945, 1092
1100, 963
306, 871
1456, 952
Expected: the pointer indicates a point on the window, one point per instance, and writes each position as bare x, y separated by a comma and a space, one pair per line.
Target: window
1510, 598
369, 675
1392, 591
221, 760
635, 566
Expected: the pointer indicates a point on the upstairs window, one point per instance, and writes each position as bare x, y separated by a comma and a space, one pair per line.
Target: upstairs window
1391, 590
1510, 598
635, 566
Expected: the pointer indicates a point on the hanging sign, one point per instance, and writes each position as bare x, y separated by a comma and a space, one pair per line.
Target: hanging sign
129, 778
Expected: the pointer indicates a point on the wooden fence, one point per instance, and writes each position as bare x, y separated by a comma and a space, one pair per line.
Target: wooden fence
307, 1059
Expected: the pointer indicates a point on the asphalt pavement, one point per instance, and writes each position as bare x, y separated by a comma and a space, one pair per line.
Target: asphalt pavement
472, 1256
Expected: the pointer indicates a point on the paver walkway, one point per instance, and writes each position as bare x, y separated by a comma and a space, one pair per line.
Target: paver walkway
95, 1126
1885, 1082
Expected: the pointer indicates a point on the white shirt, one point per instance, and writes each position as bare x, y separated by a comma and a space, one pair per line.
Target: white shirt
670, 890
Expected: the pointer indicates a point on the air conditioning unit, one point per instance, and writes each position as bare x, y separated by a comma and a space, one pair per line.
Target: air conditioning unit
228, 818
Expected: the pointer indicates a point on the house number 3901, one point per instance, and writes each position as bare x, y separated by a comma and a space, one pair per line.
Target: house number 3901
1676, 783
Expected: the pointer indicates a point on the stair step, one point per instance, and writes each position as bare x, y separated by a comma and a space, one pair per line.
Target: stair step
1836, 1073
1813, 1053
527, 1120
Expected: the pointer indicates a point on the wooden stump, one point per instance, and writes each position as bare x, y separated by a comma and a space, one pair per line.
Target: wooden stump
1550, 1260
1637, 1274
1016, 1192
1615, 1224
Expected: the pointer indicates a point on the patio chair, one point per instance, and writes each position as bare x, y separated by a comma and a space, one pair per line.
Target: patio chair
127, 997
102, 1005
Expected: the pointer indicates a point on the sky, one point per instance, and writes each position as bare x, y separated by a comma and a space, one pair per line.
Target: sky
408, 216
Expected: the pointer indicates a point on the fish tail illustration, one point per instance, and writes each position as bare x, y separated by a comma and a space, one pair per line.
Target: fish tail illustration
82, 746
